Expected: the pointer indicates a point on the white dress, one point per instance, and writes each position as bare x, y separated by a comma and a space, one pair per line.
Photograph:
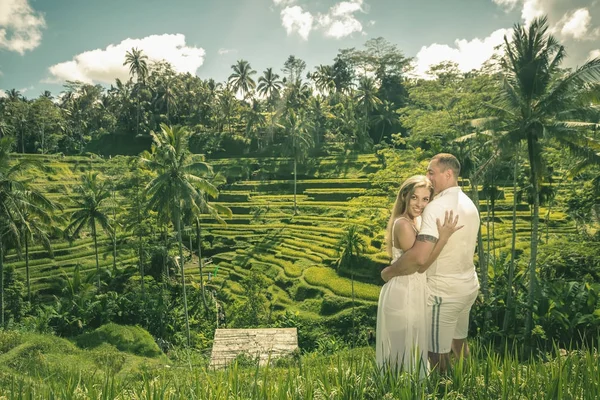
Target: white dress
401, 322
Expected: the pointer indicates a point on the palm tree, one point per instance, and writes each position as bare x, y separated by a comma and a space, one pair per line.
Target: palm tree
539, 101
367, 99
300, 140
90, 199
269, 85
178, 185
138, 67
387, 116
21, 207
350, 246
241, 80
324, 79
255, 120
37, 224
214, 211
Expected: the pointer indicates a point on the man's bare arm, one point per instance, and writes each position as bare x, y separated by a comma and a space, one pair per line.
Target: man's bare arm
413, 259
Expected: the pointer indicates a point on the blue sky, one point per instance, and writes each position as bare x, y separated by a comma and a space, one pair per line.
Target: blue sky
45, 42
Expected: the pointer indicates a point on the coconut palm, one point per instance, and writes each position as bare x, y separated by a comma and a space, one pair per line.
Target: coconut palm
138, 67
324, 79
299, 138
367, 99
38, 224
350, 246
241, 80
539, 101
269, 85
387, 116
23, 210
178, 186
91, 200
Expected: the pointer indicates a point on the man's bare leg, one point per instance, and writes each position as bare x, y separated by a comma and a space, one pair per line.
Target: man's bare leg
460, 348
439, 362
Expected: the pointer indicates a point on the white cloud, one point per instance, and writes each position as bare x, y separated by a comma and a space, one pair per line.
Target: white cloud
531, 10
20, 26
594, 54
223, 51
105, 65
468, 55
3, 93
508, 5
340, 21
26, 89
295, 19
576, 24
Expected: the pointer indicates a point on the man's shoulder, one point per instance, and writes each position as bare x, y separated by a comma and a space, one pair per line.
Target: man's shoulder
436, 205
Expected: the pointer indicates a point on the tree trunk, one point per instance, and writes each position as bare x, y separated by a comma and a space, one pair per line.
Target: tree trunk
513, 251
27, 268
295, 184
140, 238
480, 252
43, 141
96, 248
534, 239
1, 283
353, 312
493, 204
114, 232
182, 263
166, 255
201, 262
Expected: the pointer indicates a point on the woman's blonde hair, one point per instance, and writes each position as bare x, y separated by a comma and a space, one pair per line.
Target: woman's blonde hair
401, 204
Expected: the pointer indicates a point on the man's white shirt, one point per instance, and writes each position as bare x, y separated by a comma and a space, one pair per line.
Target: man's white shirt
453, 274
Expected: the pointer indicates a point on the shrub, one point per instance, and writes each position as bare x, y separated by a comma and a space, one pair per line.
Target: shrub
131, 339
334, 304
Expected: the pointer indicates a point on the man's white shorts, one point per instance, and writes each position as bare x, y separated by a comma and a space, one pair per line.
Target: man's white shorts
448, 319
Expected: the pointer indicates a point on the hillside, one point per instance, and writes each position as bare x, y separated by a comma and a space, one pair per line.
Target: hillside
295, 253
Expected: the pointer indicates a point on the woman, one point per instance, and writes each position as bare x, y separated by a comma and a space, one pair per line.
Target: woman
402, 312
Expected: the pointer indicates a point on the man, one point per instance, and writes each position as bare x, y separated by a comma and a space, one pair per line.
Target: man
451, 279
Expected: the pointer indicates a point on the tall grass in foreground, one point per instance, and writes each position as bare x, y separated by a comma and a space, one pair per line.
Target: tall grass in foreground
348, 375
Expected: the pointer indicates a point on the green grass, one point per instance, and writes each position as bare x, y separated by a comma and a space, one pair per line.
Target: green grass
36, 366
328, 278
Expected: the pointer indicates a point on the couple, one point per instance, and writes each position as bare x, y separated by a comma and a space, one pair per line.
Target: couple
431, 283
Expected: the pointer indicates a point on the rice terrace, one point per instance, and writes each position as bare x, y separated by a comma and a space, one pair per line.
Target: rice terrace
220, 232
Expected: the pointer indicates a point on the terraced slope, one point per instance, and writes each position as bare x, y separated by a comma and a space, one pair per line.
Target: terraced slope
296, 253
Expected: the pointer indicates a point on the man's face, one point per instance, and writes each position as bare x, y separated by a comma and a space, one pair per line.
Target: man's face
436, 176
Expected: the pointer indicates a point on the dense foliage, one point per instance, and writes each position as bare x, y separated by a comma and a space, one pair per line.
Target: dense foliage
180, 243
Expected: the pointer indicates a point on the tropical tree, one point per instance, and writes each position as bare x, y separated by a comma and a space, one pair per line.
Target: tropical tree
138, 67
177, 186
269, 85
367, 99
540, 101
138, 64
324, 79
91, 200
299, 139
350, 247
23, 211
387, 116
241, 80
38, 223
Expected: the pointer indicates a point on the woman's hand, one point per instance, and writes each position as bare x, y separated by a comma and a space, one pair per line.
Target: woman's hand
449, 227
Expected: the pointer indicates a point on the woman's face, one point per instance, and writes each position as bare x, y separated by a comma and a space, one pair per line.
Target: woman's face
417, 202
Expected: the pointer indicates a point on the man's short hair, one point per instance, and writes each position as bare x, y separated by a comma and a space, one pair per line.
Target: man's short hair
446, 160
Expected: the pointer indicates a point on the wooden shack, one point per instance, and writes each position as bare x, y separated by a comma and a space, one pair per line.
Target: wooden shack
264, 344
